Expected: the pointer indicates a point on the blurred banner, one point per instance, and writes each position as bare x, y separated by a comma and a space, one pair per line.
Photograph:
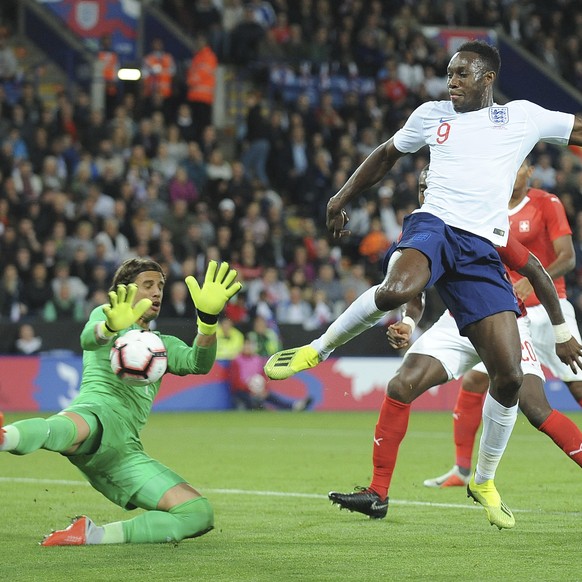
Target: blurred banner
49, 382
93, 19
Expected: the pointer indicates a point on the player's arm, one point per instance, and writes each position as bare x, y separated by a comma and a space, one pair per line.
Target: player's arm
559, 232
370, 172
565, 261
576, 135
567, 347
400, 333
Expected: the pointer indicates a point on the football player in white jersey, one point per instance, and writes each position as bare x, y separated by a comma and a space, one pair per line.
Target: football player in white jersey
476, 149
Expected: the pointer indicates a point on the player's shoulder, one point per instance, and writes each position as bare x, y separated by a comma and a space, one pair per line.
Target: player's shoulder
541, 197
435, 109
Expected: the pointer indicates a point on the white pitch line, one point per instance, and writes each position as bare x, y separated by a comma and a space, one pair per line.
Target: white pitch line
33, 481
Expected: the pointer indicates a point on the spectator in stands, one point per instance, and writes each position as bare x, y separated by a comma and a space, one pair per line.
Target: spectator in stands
219, 173
10, 291
205, 18
77, 289
296, 310
237, 311
63, 306
36, 292
177, 220
178, 304
27, 342
265, 338
115, 242
181, 187
177, 146
28, 185
245, 38
229, 340
256, 145
195, 166
254, 225
9, 69
328, 282
249, 386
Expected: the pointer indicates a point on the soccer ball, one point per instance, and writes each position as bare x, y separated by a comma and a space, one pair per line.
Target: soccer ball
139, 357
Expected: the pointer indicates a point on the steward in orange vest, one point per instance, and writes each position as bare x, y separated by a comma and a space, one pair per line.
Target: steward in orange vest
159, 69
201, 84
201, 78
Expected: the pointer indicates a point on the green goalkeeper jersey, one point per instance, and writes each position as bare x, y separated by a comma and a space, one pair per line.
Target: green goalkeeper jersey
100, 384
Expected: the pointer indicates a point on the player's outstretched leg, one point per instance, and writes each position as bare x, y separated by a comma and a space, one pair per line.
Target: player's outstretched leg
190, 519
286, 363
452, 478
362, 500
487, 495
1, 429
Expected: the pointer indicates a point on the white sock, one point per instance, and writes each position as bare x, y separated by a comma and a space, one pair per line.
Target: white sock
113, 533
498, 422
11, 438
361, 315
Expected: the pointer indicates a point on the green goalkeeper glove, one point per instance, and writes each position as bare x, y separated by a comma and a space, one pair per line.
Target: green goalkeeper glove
121, 313
217, 289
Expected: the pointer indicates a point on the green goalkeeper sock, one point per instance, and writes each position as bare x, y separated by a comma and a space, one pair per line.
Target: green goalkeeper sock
56, 433
186, 520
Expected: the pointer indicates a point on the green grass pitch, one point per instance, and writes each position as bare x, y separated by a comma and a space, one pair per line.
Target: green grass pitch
267, 475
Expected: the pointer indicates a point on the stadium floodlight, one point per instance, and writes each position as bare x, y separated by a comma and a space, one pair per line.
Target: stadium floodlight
129, 74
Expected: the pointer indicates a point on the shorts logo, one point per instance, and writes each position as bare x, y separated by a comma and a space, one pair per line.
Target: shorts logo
524, 226
499, 115
421, 236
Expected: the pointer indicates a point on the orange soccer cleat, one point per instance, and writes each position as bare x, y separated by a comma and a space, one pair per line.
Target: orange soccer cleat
74, 535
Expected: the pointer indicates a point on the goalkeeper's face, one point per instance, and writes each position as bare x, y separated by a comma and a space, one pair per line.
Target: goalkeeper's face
150, 285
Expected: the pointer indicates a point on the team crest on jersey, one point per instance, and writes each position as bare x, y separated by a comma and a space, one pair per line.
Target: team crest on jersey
499, 115
524, 226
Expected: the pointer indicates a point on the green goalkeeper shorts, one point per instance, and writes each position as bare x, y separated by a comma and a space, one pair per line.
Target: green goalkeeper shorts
119, 468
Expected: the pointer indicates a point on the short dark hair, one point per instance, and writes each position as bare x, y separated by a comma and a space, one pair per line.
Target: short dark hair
489, 54
131, 268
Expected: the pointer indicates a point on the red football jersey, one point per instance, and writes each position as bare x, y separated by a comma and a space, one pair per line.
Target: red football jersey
537, 221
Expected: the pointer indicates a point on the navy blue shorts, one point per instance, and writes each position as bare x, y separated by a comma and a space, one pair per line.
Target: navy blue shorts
465, 268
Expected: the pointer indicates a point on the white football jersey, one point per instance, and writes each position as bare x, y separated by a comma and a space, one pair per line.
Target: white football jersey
475, 156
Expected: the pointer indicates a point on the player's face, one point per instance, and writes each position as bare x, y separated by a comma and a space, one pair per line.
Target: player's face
469, 82
150, 285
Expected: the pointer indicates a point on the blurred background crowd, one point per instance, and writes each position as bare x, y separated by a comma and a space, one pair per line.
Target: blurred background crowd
83, 189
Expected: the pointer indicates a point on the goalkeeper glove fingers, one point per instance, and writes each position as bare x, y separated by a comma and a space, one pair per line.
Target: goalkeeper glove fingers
121, 313
218, 287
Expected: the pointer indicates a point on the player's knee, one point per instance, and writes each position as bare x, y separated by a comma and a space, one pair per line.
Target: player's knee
193, 518
400, 388
508, 383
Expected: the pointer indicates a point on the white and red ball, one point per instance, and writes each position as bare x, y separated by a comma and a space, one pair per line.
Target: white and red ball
139, 357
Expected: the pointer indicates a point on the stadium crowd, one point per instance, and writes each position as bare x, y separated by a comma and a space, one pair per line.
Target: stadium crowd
81, 189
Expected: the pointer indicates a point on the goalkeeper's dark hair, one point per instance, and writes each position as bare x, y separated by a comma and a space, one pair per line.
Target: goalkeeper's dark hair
489, 54
128, 271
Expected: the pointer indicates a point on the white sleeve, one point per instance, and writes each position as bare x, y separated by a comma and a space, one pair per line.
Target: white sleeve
411, 137
553, 126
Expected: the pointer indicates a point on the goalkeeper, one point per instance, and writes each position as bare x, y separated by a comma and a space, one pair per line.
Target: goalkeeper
99, 431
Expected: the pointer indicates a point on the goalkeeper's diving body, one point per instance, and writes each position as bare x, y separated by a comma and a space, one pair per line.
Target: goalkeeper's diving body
99, 432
